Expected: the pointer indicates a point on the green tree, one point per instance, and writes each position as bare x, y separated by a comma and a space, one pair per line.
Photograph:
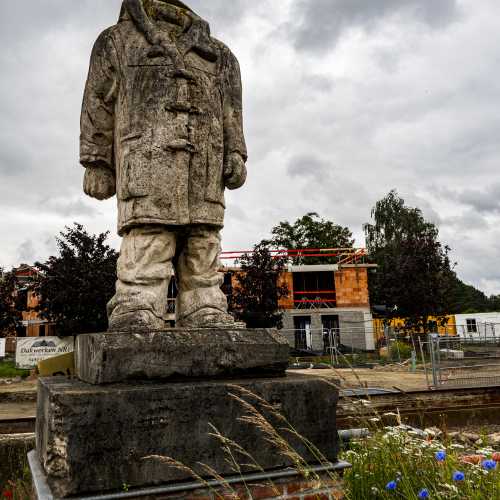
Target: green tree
10, 313
468, 299
258, 290
76, 285
414, 275
310, 231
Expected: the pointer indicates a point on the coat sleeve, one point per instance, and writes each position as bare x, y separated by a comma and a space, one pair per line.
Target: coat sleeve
234, 138
98, 110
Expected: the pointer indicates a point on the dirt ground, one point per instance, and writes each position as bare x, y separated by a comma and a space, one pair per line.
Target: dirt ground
387, 378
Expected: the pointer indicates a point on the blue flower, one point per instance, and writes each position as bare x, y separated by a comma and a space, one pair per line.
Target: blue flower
391, 486
440, 456
458, 476
489, 464
423, 493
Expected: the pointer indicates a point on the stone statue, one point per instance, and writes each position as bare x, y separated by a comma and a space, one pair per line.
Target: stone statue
162, 128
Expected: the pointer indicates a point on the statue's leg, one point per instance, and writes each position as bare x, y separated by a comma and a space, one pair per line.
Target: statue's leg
201, 302
144, 273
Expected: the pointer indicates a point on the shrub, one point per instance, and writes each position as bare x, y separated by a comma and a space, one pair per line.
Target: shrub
400, 351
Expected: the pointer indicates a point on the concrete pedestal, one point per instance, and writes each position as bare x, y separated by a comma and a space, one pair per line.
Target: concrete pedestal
107, 358
97, 438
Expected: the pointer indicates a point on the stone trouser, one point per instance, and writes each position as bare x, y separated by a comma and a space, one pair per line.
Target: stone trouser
148, 256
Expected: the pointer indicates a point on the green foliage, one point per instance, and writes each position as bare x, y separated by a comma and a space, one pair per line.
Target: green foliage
396, 455
400, 351
467, 299
8, 370
414, 274
310, 231
76, 285
10, 314
255, 298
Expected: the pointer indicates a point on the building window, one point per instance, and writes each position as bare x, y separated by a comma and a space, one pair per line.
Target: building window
303, 339
172, 296
471, 325
314, 290
331, 333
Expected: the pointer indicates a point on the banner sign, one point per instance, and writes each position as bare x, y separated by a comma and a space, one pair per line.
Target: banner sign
29, 351
2, 348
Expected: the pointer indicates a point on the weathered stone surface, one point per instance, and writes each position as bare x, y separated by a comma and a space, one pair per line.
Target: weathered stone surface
162, 128
106, 358
96, 438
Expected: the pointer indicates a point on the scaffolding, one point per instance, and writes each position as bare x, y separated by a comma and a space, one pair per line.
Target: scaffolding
341, 256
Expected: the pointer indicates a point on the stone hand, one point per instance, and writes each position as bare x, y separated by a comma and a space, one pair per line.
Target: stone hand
99, 182
235, 171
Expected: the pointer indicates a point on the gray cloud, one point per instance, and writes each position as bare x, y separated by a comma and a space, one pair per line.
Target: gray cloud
317, 25
308, 165
483, 202
469, 220
26, 252
68, 207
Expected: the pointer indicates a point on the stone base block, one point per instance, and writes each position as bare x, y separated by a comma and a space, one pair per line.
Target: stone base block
97, 438
107, 358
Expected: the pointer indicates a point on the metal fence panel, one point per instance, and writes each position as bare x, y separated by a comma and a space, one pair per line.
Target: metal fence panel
466, 360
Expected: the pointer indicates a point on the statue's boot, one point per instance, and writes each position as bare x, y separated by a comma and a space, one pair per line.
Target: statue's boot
209, 318
135, 320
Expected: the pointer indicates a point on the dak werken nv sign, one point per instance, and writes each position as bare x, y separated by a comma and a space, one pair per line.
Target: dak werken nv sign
29, 351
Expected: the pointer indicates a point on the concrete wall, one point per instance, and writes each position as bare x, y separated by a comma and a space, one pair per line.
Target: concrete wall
356, 327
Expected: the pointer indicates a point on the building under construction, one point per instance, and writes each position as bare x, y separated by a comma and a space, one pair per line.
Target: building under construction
327, 304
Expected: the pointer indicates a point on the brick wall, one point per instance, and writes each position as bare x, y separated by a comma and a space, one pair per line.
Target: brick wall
287, 489
351, 284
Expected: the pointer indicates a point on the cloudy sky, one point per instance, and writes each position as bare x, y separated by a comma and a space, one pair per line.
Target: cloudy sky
344, 100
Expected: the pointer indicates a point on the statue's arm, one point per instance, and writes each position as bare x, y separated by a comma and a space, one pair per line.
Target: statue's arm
97, 122
235, 151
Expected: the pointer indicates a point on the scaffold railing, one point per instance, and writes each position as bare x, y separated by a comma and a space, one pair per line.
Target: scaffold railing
341, 256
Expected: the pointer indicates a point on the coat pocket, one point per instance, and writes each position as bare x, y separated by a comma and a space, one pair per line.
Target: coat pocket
134, 178
215, 165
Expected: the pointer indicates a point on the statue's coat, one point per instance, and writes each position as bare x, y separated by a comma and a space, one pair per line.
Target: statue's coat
164, 122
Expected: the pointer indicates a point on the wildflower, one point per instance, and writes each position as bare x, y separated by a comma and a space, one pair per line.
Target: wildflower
423, 493
375, 490
450, 487
7, 494
458, 476
391, 486
489, 464
440, 455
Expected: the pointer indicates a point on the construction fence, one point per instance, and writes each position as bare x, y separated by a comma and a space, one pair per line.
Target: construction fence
468, 360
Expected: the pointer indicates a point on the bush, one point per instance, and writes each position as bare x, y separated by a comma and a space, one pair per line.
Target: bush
400, 351
8, 370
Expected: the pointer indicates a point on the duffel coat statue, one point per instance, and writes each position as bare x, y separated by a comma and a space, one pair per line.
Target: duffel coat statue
161, 128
